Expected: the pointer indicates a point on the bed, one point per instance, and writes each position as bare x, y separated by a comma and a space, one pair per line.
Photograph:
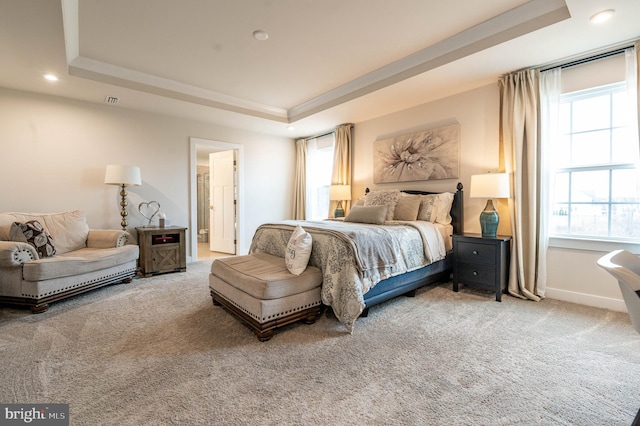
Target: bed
367, 262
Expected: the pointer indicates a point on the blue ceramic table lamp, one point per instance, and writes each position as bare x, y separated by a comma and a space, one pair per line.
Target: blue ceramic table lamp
339, 193
490, 185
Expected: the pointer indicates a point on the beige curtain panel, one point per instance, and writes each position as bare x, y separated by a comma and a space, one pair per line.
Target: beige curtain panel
341, 163
520, 147
300, 181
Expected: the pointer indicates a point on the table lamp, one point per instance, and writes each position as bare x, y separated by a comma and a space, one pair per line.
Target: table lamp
490, 185
339, 193
123, 176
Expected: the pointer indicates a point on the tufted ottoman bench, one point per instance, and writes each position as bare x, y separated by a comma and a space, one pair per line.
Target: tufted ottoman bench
260, 290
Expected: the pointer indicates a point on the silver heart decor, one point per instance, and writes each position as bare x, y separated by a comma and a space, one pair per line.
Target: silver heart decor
149, 209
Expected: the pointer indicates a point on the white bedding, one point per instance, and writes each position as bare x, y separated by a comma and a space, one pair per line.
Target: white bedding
447, 235
445, 230
352, 258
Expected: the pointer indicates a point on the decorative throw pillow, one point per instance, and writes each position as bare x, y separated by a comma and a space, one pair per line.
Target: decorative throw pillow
407, 207
298, 251
443, 208
426, 211
33, 233
375, 215
383, 198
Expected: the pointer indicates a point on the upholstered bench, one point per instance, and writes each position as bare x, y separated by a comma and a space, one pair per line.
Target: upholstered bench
260, 290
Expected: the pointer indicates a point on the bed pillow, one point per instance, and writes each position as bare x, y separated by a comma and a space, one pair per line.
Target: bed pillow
426, 210
407, 207
442, 208
33, 233
383, 198
375, 215
298, 251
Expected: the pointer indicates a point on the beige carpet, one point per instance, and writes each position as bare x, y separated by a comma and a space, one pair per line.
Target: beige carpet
158, 352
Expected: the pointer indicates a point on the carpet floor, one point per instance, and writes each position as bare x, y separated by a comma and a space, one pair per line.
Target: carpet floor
157, 352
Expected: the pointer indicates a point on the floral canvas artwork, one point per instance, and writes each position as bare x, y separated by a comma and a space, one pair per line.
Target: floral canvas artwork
425, 155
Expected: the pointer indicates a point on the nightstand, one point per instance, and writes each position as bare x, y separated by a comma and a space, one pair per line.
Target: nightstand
481, 262
161, 250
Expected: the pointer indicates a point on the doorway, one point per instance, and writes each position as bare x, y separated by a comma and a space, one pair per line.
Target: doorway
222, 202
200, 149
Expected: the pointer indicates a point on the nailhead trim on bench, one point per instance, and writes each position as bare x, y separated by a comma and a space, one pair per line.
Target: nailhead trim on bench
272, 317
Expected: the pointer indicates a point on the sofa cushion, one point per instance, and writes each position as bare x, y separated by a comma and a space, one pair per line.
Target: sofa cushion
69, 229
77, 262
264, 276
33, 233
6, 220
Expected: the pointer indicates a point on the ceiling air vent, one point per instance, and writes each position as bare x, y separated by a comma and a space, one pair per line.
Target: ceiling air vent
111, 100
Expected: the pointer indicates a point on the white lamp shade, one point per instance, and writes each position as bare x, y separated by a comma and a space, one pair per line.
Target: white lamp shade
122, 175
490, 185
340, 192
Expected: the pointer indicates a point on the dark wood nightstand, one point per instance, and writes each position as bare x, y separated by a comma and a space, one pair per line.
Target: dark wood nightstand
481, 262
162, 250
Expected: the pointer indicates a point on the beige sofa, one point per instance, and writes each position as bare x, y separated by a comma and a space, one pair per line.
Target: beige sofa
46, 257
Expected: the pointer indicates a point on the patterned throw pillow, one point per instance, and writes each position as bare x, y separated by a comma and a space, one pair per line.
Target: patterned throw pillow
298, 251
426, 211
33, 233
383, 198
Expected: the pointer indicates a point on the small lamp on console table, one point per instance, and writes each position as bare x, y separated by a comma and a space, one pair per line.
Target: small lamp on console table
490, 185
339, 193
123, 176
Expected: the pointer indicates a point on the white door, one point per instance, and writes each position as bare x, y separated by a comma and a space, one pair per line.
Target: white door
222, 226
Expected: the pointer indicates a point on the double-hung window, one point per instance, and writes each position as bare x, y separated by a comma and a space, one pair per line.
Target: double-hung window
596, 190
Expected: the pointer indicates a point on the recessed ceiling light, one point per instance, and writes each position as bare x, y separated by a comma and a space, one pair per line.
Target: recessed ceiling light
51, 77
603, 15
260, 35
291, 128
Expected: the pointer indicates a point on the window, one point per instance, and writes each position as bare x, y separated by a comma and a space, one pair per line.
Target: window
318, 176
596, 184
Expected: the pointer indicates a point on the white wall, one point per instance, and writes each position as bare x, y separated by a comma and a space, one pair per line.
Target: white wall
572, 274
477, 113
54, 153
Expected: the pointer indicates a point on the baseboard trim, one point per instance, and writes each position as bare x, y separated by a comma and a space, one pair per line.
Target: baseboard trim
586, 299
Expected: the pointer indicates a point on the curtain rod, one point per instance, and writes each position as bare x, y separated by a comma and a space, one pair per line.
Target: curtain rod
581, 59
328, 132
320, 135
587, 59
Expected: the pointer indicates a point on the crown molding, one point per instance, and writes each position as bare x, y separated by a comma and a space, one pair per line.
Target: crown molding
531, 16
132, 79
